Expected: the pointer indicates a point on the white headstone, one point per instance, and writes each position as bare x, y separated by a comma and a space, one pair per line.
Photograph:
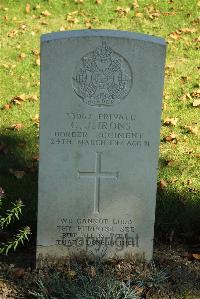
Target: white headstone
101, 95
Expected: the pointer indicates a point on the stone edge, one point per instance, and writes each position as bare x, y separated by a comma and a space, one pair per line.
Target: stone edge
98, 33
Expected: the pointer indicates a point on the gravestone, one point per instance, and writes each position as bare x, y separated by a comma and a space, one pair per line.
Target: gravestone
101, 97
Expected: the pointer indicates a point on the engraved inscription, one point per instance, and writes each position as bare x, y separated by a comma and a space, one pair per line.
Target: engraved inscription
102, 77
97, 175
97, 233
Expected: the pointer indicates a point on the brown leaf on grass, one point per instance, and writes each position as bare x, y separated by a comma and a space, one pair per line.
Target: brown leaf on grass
36, 52
170, 121
93, 271
99, 2
36, 120
71, 273
196, 93
72, 19
44, 23
169, 162
22, 56
16, 127
6, 107
35, 158
196, 103
17, 100
19, 272
192, 129
17, 173
33, 98
197, 40
139, 14
62, 28
168, 13
88, 25
171, 137
28, 8
187, 30
46, 13
186, 96
37, 61
162, 184
152, 12
122, 11
12, 33
192, 256
135, 4
175, 35
196, 256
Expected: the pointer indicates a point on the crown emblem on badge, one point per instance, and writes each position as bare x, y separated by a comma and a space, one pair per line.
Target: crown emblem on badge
103, 52
102, 77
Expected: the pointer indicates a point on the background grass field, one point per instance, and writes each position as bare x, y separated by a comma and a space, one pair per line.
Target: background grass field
22, 23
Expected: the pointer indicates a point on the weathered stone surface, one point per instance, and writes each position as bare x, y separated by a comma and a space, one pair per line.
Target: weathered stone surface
99, 137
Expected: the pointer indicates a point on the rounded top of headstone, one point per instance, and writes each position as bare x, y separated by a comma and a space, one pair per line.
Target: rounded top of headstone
104, 33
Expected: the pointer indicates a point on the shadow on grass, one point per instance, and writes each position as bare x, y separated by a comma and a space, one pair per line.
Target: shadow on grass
177, 217
18, 178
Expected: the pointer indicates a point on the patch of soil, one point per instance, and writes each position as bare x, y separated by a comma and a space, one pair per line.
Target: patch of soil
18, 274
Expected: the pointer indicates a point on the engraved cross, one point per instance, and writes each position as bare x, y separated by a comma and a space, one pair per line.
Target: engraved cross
97, 175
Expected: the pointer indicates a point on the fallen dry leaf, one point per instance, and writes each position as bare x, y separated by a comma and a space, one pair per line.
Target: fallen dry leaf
62, 28
169, 162
72, 19
16, 127
28, 8
196, 93
23, 27
196, 256
169, 13
36, 52
139, 14
171, 137
170, 121
17, 173
37, 61
196, 103
35, 158
44, 23
17, 100
19, 272
135, 4
46, 13
186, 96
99, 2
122, 11
93, 271
22, 56
162, 184
6, 107
71, 273
188, 30
33, 98
192, 129
36, 120
175, 35
12, 33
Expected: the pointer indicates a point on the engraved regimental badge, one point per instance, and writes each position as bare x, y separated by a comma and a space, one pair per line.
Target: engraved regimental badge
102, 77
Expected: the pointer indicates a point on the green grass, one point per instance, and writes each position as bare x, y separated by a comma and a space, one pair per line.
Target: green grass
178, 203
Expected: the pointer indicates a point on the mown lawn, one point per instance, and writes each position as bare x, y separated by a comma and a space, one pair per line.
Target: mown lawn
22, 23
